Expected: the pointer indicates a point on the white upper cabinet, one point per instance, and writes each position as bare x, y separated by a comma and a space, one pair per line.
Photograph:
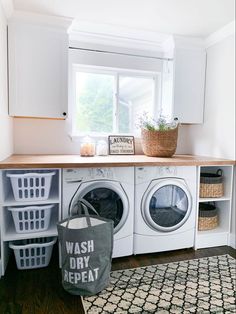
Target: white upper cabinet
38, 70
184, 81
189, 85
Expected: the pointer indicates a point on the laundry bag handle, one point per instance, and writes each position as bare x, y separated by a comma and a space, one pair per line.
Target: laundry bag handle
82, 206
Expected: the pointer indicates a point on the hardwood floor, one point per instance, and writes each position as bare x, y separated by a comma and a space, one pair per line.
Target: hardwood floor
40, 291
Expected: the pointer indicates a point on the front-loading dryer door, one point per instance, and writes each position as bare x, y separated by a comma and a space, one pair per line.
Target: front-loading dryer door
167, 204
107, 197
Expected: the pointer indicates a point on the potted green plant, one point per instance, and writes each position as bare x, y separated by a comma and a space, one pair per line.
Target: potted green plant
158, 137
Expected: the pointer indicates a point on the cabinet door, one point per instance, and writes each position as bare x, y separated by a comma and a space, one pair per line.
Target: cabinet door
189, 85
183, 85
38, 67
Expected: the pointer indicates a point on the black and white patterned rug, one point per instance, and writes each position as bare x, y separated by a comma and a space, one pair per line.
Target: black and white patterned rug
205, 285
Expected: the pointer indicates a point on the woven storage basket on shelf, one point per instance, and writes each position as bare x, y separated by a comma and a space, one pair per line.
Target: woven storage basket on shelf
211, 184
159, 143
208, 217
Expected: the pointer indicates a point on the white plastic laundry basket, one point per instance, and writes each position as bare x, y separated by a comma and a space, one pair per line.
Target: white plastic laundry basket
31, 218
31, 186
33, 253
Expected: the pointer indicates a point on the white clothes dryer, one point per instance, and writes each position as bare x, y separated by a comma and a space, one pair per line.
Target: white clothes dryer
165, 208
111, 192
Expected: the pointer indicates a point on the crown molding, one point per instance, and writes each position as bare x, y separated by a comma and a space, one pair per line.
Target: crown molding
220, 35
87, 33
107, 40
60, 23
119, 36
8, 8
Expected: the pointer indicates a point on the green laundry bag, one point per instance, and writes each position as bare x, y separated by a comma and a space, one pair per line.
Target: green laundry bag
86, 244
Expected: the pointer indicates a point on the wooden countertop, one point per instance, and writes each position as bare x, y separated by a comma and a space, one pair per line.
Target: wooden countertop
76, 161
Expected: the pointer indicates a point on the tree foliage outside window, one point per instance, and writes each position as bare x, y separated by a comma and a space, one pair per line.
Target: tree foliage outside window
94, 102
109, 102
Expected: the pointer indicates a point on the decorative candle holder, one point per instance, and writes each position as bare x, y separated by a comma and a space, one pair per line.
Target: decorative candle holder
87, 147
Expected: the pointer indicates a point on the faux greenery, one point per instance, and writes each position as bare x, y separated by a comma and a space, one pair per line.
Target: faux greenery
161, 124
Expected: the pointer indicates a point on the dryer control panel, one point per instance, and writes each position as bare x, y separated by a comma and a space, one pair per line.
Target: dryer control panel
167, 171
147, 174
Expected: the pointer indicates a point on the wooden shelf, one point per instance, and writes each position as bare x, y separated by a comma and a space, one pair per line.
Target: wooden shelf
75, 161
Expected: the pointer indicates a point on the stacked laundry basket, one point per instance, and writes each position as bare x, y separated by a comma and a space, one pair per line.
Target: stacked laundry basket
31, 215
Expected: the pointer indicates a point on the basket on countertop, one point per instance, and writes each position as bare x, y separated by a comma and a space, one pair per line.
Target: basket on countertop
31, 186
33, 218
211, 184
33, 253
208, 217
159, 143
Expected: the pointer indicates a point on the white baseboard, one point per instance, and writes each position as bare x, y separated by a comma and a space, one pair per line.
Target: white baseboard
232, 240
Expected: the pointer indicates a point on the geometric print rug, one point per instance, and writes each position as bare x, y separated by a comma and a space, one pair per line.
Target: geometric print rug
204, 285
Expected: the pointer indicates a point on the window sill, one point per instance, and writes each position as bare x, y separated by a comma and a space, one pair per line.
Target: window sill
97, 137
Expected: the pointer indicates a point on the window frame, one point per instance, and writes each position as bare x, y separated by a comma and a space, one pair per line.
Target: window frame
116, 72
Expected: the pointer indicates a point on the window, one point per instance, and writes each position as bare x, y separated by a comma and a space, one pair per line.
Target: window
94, 102
108, 100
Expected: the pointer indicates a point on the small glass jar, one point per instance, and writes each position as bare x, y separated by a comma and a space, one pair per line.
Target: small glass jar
87, 147
102, 148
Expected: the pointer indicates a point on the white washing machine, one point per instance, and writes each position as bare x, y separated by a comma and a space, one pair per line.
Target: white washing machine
111, 192
165, 208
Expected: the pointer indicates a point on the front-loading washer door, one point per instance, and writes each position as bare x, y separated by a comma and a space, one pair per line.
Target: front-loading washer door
108, 198
166, 204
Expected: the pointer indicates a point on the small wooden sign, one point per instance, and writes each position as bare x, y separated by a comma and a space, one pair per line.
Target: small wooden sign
121, 145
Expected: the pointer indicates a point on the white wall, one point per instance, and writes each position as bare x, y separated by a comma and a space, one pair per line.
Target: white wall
40, 136
216, 137
6, 136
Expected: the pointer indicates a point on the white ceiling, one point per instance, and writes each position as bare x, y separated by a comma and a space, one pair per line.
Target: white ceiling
182, 17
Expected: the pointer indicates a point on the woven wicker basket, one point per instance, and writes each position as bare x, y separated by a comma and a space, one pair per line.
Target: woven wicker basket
159, 143
208, 217
211, 184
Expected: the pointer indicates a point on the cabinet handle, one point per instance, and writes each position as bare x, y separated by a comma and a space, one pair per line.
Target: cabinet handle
64, 113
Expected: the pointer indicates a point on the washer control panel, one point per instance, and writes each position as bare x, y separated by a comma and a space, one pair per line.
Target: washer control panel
105, 173
86, 174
